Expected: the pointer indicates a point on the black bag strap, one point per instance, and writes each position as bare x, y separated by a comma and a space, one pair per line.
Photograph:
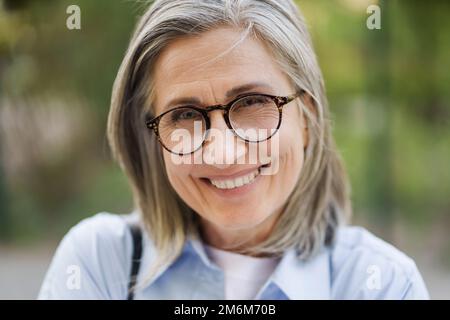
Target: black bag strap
136, 235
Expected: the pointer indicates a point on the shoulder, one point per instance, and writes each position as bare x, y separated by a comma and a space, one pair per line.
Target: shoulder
364, 266
103, 229
91, 261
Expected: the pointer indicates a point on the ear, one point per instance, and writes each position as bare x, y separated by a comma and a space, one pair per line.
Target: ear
309, 103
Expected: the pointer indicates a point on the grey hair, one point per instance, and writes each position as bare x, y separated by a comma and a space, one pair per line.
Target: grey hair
320, 201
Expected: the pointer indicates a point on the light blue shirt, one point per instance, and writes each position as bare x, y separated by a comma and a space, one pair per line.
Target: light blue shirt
93, 261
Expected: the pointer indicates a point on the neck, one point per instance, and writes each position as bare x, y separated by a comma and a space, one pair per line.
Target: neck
235, 240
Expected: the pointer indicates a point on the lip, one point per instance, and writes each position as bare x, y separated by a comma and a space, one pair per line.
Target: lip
235, 174
237, 192
232, 193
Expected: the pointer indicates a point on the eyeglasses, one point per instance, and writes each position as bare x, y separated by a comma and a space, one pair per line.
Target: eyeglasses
253, 118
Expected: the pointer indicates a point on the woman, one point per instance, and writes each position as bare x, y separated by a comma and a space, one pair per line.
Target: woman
220, 121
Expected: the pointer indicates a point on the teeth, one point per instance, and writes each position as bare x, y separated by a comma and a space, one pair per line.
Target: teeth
234, 183
239, 182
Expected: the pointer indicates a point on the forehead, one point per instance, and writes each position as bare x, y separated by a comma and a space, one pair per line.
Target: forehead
204, 66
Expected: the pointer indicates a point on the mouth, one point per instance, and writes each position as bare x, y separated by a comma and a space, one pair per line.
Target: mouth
238, 182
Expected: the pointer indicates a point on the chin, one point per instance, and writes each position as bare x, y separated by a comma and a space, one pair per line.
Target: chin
238, 219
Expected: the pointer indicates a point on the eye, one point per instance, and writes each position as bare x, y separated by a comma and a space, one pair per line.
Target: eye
252, 101
255, 101
184, 115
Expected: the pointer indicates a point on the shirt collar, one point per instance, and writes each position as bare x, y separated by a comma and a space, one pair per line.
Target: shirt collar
297, 279
300, 279
195, 245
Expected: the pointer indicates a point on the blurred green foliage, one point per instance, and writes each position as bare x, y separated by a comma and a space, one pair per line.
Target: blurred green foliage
388, 91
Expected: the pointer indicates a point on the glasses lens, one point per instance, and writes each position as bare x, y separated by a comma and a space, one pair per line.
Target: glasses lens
255, 118
182, 130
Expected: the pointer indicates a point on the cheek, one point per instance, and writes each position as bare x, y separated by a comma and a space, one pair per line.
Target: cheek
180, 178
178, 174
291, 149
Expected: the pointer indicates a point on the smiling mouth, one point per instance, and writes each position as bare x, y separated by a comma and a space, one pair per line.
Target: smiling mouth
238, 181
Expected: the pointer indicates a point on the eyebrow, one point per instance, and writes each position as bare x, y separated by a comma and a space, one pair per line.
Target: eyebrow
229, 94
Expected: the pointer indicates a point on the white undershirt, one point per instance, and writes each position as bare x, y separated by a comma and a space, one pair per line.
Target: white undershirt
244, 275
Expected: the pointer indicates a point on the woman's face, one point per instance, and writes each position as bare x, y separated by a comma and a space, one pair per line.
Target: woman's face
191, 67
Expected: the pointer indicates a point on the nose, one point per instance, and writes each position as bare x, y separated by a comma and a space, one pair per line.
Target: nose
222, 148
217, 120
